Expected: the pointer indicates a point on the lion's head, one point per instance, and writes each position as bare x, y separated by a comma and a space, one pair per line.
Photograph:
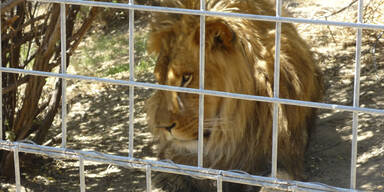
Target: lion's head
239, 59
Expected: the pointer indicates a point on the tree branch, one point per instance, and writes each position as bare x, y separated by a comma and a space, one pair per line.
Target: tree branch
53, 106
25, 38
9, 23
10, 4
342, 9
84, 28
16, 84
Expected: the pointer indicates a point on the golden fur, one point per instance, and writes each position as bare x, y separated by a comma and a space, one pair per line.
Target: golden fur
239, 59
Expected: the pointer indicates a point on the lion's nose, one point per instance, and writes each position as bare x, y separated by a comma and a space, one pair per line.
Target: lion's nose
169, 128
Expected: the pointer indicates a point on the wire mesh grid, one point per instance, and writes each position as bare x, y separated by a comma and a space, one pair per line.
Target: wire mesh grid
169, 167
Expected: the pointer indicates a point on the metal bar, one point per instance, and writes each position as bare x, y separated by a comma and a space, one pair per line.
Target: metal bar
81, 172
219, 183
1, 95
212, 13
1, 81
17, 167
148, 177
200, 149
131, 78
354, 150
276, 90
63, 71
197, 91
356, 97
227, 176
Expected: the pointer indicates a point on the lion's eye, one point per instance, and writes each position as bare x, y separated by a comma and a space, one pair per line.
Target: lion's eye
186, 80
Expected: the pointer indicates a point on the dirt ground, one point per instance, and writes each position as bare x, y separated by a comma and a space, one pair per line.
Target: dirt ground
98, 117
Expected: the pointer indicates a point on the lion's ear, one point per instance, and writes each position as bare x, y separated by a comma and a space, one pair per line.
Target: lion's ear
218, 35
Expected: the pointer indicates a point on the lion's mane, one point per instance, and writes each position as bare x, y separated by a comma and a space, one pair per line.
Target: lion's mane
239, 59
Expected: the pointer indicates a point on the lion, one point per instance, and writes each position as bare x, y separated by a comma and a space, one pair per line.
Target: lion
239, 59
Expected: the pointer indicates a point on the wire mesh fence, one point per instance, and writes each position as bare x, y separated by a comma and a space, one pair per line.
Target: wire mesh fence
170, 167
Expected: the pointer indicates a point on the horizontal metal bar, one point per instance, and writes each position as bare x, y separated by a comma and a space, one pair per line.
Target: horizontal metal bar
197, 91
212, 13
169, 167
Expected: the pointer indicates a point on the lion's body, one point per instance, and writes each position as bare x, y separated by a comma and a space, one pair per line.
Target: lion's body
239, 59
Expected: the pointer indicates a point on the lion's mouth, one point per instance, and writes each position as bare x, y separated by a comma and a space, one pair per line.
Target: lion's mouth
169, 129
206, 135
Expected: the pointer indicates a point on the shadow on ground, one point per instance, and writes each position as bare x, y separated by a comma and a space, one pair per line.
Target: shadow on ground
329, 156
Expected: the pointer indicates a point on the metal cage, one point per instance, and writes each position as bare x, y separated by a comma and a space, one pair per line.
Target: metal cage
199, 171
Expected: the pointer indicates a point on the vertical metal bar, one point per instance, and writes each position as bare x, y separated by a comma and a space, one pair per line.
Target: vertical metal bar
63, 81
219, 183
356, 97
17, 167
131, 77
1, 83
82, 176
148, 177
276, 85
201, 86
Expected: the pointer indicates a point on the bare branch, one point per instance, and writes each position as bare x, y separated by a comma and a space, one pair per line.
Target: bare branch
8, 23
10, 4
53, 105
84, 28
25, 38
342, 9
16, 84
